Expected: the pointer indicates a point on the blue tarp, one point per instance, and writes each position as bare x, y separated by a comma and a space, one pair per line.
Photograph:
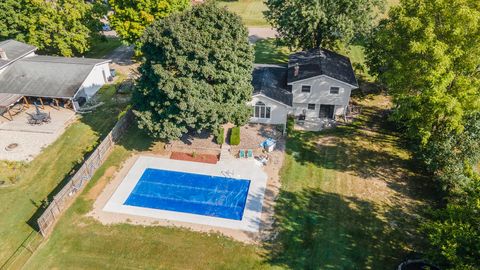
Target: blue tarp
190, 193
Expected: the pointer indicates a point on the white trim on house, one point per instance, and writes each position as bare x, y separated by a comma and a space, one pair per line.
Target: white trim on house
320, 76
278, 111
82, 88
271, 99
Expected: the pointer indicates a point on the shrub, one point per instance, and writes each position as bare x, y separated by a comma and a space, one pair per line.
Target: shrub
124, 112
290, 123
235, 136
219, 137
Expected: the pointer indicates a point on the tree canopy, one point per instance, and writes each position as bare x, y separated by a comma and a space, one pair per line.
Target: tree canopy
196, 74
62, 27
427, 53
313, 23
130, 18
454, 232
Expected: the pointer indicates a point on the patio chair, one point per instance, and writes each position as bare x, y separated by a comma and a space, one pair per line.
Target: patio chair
249, 153
241, 154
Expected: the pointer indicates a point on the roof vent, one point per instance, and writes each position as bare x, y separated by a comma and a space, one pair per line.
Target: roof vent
296, 70
3, 54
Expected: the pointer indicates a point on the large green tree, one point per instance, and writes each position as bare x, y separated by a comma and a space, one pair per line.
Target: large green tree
196, 73
321, 23
62, 27
14, 21
454, 232
130, 18
428, 54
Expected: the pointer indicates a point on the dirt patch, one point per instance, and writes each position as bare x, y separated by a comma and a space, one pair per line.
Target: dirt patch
203, 158
103, 181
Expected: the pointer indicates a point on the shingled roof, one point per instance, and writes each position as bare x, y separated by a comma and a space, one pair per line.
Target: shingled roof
47, 76
318, 62
14, 50
271, 81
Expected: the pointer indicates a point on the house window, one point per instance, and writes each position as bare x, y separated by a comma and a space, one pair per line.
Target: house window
334, 90
261, 110
311, 106
306, 88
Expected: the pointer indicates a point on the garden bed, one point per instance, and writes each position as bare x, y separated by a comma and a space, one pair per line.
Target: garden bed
203, 158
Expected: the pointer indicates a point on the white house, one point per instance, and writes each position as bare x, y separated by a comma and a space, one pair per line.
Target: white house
68, 80
316, 85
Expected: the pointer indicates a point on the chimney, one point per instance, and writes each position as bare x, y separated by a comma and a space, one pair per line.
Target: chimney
3, 54
296, 70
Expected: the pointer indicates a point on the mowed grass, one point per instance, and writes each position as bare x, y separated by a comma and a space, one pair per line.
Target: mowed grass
38, 180
267, 51
349, 198
251, 11
81, 242
344, 204
103, 46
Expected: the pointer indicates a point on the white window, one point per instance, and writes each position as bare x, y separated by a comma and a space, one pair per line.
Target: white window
311, 106
306, 88
334, 90
260, 110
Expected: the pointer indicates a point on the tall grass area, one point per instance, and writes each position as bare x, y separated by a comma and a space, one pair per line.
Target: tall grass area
37, 180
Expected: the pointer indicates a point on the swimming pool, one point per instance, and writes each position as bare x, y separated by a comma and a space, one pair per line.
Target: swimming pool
190, 193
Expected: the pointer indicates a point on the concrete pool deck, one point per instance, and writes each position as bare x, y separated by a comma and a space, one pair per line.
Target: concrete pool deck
119, 190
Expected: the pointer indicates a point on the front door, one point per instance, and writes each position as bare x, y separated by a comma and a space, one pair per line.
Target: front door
326, 111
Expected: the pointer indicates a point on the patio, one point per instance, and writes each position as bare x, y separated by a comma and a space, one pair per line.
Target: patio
21, 141
314, 124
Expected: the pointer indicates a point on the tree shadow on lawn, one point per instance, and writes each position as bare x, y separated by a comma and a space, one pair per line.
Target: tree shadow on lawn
318, 230
366, 148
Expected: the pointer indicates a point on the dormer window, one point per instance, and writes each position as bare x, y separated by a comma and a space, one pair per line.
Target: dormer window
306, 88
261, 110
334, 90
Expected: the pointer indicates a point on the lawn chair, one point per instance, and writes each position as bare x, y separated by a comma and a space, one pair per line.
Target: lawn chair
241, 154
249, 153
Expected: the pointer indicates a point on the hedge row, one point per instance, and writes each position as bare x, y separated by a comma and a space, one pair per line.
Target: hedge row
235, 136
220, 138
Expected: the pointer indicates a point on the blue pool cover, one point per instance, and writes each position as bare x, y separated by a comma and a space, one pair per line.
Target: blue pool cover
190, 193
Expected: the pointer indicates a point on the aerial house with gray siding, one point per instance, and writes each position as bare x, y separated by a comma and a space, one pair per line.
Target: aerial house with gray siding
315, 86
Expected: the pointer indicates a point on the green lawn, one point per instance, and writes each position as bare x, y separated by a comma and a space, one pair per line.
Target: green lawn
38, 179
82, 243
349, 199
251, 11
345, 193
268, 52
101, 47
